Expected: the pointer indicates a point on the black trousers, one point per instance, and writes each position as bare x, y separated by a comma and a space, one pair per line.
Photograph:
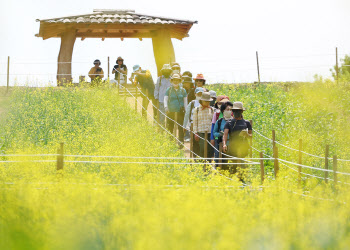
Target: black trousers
179, 119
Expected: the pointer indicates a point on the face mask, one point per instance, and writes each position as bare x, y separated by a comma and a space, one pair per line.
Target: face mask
166, 74
198, 98
227, 114
175, 85
219, 106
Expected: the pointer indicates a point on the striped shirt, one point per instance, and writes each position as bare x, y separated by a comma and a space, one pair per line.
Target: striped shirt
202, 118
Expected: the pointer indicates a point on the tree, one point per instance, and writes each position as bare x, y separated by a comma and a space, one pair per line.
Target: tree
344, 69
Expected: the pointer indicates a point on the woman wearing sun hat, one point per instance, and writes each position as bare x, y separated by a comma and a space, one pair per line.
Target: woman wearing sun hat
175, 101
199, 81
120, 71
239, 131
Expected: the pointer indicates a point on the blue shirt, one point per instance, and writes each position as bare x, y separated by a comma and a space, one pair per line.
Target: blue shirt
217, 129
175, 98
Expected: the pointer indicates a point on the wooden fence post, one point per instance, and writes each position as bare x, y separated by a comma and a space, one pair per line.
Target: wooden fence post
326, 161
60, 158
158, 113
251, 142
276, 164
191, 141
336, 64
300, 160
175, 125
262, 169
108, 69
220, 153
257, 63
136, 98
8, 74
335, 166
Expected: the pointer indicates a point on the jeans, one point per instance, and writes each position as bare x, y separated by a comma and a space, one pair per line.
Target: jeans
180, 120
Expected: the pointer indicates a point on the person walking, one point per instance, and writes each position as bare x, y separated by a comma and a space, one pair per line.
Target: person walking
188, 121
163, 83
202, 117
145, 80
120, 72
218, 131
175, 101
239, 130
217, 114
200, 82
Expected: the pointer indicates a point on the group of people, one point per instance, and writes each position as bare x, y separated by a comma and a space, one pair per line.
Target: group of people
189, 103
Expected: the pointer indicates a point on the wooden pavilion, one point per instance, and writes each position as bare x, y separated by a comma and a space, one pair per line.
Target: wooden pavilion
113, 24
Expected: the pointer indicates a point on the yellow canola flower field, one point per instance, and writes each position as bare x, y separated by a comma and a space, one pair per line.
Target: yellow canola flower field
93, 205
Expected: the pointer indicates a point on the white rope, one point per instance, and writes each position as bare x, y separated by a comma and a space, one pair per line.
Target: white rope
165, 158
38, 155
316, 156
29, 161
159, 163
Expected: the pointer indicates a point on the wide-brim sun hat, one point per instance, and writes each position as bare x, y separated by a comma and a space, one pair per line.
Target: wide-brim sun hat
212, 93
198, 89
136, 68
186, 79
206, 97
224, 100
238, 106
199, 77
175, 76
221, 97
166, 67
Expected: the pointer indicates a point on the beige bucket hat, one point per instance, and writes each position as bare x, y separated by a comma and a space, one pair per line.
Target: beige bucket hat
206, 97
238, 106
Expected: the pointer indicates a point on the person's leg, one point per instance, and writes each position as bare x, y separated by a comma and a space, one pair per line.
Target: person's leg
161, 116
201, 145
195, 147
154, 106
145, 103
210, 148
180, 120
170, 123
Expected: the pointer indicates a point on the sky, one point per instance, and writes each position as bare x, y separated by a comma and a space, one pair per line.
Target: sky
295, 39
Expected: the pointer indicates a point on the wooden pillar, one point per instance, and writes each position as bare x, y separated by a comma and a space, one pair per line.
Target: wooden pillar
162, 48
64, 67
60, 157
276, 164
326, 164
262, 168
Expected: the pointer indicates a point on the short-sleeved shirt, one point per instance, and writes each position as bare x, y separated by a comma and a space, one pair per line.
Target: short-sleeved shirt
237, 125
146, 82
123, 67
175, 98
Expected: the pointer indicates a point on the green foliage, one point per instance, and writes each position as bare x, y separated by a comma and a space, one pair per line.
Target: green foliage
145, 206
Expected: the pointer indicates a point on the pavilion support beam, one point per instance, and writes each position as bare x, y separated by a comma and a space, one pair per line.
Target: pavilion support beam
64, 67
163, 48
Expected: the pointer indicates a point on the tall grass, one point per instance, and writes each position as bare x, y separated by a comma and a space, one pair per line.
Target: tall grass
142, 206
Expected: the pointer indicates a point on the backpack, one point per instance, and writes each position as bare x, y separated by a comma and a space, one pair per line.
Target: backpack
219, 125
238, 146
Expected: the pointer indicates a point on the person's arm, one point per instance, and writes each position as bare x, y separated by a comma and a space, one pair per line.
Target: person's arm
185, 101
102, 74
216, 130
91, 73
122, 71
187, 115
212, 133
156, 89
114, 70
224, 139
